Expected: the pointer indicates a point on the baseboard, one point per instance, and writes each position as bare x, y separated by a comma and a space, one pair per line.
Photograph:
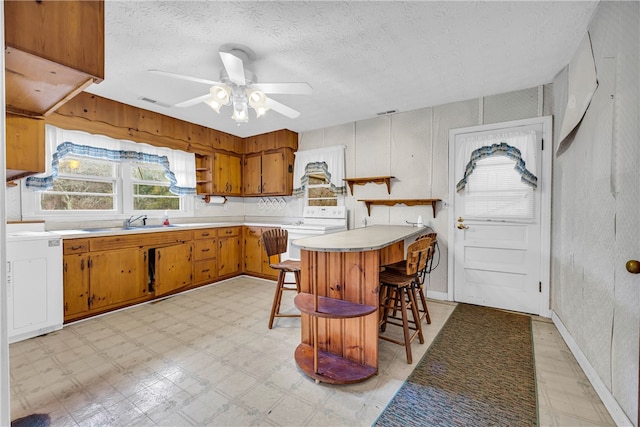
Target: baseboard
442, 296
616, 412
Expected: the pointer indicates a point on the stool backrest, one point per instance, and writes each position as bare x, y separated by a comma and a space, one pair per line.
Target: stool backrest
418, 255
275, 241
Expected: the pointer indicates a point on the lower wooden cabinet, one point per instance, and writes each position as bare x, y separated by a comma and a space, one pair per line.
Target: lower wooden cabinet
117, 276
105, 273
229, 251
171, 268
256, 261
98, 280
205, 249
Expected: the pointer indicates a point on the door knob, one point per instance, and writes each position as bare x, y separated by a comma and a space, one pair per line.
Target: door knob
462, 226
633, 266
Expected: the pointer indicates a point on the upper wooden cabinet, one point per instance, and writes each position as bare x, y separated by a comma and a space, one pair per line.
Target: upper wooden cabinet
269, 173
227, 175
53, 51
24, 146
283, 138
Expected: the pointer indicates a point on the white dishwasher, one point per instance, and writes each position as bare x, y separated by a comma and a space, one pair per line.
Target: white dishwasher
34, 283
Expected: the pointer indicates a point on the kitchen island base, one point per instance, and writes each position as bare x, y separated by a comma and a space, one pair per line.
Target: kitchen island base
339, 300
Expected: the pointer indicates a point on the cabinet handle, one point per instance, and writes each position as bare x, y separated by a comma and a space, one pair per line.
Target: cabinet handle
205, 270
204, 234
82, 264
205, 250
75, 248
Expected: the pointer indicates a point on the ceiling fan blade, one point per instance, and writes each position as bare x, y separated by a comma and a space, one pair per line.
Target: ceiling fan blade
183, 77
284, 88
281, 108
234, 67
193, 101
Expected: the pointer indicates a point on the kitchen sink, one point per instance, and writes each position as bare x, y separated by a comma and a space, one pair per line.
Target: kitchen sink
134, 227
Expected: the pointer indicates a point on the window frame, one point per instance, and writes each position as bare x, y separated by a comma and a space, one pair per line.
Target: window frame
123, 200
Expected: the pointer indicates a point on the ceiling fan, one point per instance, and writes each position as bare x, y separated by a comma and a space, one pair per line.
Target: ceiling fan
239, 87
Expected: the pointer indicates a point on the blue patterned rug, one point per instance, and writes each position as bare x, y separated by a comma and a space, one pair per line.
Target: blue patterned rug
479, 371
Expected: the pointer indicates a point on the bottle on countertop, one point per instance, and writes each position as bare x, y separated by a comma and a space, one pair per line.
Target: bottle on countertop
165, 221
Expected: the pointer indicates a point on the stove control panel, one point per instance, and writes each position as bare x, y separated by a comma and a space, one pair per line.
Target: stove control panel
324, 212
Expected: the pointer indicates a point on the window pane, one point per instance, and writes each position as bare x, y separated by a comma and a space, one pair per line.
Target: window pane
82, 186
156, 203
154, 197
495, 190
148, 172
86, 167
63, 202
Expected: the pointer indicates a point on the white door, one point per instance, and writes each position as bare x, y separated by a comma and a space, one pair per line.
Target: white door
500, 216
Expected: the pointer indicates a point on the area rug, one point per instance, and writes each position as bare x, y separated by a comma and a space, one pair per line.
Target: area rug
479, 371
33, 420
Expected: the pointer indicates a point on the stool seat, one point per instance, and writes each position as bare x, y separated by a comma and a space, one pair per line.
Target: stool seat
275, 243
288, 265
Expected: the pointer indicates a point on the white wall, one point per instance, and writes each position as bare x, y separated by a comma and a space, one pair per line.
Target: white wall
596, 204
413, 147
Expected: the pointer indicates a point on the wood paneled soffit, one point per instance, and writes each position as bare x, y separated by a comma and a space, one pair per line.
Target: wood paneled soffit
94, 114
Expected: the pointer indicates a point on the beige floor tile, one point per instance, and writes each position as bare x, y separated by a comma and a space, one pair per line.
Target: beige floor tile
206, 357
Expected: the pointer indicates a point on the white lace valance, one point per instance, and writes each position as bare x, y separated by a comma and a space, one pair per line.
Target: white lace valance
329, 160
518, 146
179, 165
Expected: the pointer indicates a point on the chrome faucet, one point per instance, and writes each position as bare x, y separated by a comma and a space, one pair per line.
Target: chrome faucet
131, 220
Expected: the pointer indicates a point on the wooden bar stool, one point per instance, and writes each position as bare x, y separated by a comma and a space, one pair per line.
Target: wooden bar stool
275, 243
398, 293
423, 270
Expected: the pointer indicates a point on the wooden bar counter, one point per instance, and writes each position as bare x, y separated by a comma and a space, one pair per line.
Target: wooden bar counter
339, 300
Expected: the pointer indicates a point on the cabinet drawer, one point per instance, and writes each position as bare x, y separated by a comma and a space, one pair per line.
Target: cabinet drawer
205, 233
204, 271
204, 249
139, 240
75, 246
229, 231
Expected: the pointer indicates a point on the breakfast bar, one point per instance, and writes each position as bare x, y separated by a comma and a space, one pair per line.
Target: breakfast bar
339, 299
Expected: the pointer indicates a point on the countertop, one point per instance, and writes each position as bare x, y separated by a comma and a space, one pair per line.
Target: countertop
359, 239
113, 231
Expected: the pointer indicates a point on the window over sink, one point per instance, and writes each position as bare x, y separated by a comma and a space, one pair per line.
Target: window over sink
90, 175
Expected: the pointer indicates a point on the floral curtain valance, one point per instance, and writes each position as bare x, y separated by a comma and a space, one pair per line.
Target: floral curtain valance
179, 166
329, 160
518, 146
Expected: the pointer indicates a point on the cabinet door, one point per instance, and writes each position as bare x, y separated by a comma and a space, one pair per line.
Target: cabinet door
253, 252
24, 146
235, 175
273, 173
172, 268
229, 254
253, 175
227, 174
117, 276
75, 277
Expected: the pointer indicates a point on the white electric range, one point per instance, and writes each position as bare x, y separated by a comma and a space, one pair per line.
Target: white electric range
317, 220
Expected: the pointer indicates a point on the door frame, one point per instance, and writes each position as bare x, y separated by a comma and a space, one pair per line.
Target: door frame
545, 202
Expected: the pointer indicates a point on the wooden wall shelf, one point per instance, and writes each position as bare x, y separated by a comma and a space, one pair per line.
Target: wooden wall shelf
373, 179
408, 202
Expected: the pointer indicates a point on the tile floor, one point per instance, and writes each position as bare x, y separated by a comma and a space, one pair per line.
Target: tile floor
206, 357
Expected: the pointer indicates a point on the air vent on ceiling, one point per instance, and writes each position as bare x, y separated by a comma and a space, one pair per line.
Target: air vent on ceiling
154, 101
386, 113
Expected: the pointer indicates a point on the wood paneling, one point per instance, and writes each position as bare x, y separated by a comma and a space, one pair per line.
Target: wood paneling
70, 33
94, 114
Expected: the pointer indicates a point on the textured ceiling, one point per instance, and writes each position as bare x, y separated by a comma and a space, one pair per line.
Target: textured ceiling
361, 58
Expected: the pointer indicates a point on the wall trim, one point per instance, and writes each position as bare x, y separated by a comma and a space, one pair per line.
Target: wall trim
441, 296
616, 412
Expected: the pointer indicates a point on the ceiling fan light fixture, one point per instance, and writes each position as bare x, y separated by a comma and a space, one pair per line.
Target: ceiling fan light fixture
261, 110
221, 94
256, 97
215, 105
240, 112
